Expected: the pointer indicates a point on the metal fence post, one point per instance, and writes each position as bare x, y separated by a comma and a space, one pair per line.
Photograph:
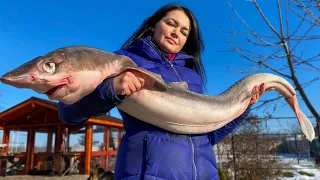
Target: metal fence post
234, 157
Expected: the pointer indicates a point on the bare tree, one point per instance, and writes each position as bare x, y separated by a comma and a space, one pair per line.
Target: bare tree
280, 50
250, 153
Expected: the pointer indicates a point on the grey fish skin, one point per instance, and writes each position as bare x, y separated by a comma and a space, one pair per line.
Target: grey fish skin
182, 111
68, 74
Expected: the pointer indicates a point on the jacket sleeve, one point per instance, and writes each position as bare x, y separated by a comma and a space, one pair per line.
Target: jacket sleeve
216, 136
99, 102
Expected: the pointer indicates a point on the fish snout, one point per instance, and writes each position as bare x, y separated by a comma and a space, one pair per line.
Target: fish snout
29, 81
4, 80
22, 72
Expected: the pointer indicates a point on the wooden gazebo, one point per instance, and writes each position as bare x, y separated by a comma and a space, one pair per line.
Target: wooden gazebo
33, 134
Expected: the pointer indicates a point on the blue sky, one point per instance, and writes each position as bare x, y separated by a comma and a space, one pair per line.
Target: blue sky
32, 28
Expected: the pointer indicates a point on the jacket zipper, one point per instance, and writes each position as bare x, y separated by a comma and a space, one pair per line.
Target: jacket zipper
190, 138
174, 70
193, 158
144, 156
170, 64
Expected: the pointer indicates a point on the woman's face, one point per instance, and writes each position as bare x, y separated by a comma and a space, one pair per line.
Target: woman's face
172, 31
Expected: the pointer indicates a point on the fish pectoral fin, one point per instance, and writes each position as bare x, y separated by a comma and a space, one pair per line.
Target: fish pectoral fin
152, 81
182, 85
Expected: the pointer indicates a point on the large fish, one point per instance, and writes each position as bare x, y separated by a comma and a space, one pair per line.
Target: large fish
70, 73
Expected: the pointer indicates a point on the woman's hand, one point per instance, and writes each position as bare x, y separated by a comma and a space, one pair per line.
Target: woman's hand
128, 82
261, 90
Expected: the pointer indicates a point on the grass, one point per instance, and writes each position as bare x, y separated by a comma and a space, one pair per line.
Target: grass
287, 174
306, 173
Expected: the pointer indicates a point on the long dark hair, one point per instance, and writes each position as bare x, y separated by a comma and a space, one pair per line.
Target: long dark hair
194, 45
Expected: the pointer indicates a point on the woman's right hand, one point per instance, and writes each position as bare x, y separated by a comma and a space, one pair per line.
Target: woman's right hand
128, 82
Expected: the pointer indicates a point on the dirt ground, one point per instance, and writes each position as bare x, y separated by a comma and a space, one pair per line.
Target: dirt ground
28, 177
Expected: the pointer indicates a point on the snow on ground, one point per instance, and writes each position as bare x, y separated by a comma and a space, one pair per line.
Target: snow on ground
303, 165
290, 163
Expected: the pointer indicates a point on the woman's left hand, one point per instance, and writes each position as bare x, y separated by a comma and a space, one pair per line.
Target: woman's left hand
261, 90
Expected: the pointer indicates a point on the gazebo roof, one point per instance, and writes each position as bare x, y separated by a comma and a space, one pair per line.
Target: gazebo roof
36, 111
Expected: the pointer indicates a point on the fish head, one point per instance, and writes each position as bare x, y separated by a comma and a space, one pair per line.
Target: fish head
65, 75
35, 74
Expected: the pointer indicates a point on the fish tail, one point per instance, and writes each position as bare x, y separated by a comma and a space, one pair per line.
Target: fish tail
306, 126
304, 122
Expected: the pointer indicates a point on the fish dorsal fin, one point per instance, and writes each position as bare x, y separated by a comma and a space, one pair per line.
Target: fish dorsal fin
152, 80
158, 76
182, 85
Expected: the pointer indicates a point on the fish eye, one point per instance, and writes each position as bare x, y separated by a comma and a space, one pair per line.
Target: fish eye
49, 67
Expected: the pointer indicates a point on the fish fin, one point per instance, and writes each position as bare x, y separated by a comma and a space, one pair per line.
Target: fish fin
182, 85
152, 81
306, 126
304, 122
158, 76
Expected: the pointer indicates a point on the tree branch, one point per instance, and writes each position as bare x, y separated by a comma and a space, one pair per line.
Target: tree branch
276, 71
306, 9
258, 44
298, 27
266, 20
303, 17
246, 24
300, 40
309, 82
280, 18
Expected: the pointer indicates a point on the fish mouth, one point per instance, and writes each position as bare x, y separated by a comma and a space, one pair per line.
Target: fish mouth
56, 86
50, 93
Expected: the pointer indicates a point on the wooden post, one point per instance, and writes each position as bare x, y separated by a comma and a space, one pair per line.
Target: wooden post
49, 142
58, 139
45, 115
88, 148
66, 139
106, 143
5, 139
30, 150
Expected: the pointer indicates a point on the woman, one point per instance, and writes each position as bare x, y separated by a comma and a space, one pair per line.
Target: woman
168, 43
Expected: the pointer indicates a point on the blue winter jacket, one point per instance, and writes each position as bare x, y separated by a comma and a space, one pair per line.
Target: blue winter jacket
146, 151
